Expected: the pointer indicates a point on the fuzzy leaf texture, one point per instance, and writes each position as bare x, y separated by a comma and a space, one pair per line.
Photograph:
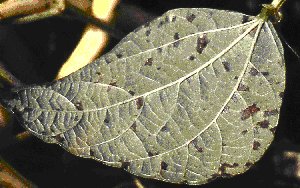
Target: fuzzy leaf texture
189, 97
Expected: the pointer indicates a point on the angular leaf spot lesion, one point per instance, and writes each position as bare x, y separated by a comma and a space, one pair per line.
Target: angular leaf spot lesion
202, 42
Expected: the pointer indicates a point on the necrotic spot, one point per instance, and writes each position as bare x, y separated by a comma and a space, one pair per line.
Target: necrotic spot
79, 106
164, 165
245, 19
190, 18
202, 42
242, 87
249, 111
227, 66
192, 58
148, 32
149, 62
253, 72
139, 103
176, 36
264, 124
256, 145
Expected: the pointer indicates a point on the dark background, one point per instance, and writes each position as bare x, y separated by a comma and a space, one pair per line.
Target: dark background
34, 52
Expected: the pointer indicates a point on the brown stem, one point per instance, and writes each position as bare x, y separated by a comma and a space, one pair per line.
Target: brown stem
8, 78
10, 178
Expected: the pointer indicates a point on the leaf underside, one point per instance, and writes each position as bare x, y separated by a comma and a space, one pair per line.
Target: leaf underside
189, 97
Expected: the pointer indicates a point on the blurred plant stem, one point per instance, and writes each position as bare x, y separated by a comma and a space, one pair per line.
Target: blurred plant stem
10, 178
93, 40
7, 78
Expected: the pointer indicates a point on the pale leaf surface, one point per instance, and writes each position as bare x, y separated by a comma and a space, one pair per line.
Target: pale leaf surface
191, 96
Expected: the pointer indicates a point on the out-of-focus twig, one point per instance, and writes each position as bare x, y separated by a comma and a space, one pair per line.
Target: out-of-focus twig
10, 178
138, 183
4, 117
20, 11
93, 40
8, 78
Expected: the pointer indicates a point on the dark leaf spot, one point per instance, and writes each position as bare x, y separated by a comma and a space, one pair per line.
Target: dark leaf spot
202, 42
244, 132
176, 36
273, 130
226, 109
133, 127
198, 148
227, 66
167, 19
236, 77
147, 24
174, 18
150, 154
271, 113
253, 72
79, 106
234, 98
119, 55
59, 138
139, 102
264, 124
161, 23
242, 87
224, 166
131, 92
159, 50
165, 129
281, 94
92, 153
158, 68
76, 118
107, 119
248, 164
245, 19
125, 165
256, 145
148, 32
107, 61
163, 165
249, 111
190, 18
192, 58
265, 73
149, 62
113, 83
176, 44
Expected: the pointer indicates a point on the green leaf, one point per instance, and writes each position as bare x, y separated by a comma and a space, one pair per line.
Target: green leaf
189, 97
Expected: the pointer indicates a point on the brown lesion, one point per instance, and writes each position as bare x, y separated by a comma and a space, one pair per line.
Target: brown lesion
190, 18
223, 169
202, 42
264, 124
249, 111
227, 66
78, 105
139, 103
164, 165
242, 87
149, 62
256, 145
273, 112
